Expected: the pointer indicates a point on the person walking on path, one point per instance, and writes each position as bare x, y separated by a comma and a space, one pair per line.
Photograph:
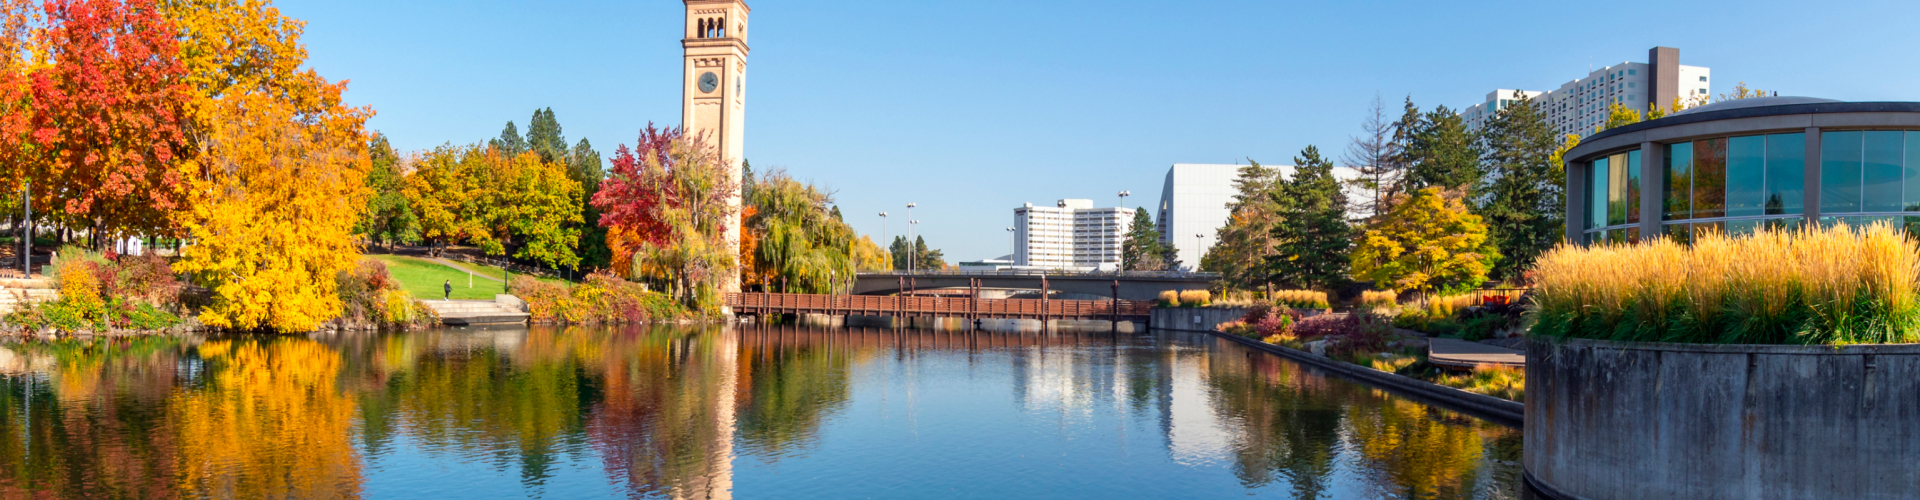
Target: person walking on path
448, 289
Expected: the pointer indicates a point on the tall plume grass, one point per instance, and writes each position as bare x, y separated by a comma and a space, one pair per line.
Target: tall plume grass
1302, 299
1832, 285
1380, 299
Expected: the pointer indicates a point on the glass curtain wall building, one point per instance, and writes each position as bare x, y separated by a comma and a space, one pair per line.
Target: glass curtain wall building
1738, 166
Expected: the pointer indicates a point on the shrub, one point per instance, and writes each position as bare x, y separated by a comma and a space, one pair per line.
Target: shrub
370, 296
1302, 299
1817, 285
601, 299
1498, 381
1195, 298
1379, 299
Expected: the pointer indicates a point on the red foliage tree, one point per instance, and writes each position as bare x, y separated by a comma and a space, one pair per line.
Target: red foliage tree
108, 115
630, 197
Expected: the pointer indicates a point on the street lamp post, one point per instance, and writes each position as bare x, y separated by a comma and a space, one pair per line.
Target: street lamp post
913, 227
883, 230
913, 248
1199, 249
1123, 242
1012, 253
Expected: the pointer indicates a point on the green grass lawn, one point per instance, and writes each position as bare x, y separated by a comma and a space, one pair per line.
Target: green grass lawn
423, 278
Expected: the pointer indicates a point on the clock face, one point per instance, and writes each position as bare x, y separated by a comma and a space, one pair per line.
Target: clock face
709, 81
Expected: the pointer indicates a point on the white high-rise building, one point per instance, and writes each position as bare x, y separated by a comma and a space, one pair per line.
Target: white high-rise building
1071, 235
1579, 106
1194, 205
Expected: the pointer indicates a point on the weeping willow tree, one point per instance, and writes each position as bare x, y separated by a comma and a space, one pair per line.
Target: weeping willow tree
666, 213
799, 245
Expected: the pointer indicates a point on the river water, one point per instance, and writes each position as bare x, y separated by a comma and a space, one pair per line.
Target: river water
713, 412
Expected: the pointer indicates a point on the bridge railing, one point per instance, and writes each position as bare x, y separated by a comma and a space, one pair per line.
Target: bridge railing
966, 307
1035, 272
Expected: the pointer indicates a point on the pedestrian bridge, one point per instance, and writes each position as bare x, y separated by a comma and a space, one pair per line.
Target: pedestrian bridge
1141, 286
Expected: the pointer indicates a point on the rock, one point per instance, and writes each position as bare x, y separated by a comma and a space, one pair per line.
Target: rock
1318, 347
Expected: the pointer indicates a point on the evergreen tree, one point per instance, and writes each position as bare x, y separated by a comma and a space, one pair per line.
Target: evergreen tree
1443, 153
1375, 153
746, 178
1312, 236
583, 165
1142, 250
510, 143
544, 137
1242, 245
836, 214
1522, 204
898, 252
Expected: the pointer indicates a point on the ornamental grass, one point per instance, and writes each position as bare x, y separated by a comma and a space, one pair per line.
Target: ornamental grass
1831, 286
1301, 299
1195, 298
1383, 299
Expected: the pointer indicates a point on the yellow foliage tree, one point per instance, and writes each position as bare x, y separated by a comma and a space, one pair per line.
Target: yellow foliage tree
273, 212
1429, 241
270, 423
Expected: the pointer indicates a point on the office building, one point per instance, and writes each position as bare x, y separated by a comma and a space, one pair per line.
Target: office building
1071, 235
1580, 106
1739, 165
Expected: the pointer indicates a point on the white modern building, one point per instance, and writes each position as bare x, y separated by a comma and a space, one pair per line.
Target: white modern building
1194, 205
1071, 235
1581, 105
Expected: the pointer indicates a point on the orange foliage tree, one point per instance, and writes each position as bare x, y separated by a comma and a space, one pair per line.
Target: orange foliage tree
107, 116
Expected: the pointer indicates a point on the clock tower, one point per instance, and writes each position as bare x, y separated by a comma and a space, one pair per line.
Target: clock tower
713, 91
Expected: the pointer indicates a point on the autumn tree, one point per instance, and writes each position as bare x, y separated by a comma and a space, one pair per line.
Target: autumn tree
17, 49
277, 179
800, 244
665, 207
108, 118
538, 212
1428, 242
1311, 234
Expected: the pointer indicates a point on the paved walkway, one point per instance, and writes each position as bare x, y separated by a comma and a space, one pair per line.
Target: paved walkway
1461, 353
457, 267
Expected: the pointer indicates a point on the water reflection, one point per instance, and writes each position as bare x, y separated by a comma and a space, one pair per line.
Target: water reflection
692, 412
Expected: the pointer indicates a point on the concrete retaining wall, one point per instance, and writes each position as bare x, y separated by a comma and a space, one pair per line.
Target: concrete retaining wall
1204, 319
1609, 420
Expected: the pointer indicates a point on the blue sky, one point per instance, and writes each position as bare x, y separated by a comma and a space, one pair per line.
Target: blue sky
971, 108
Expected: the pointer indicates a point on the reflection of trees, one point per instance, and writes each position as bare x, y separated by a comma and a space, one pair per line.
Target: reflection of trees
1298, 426
794, 378
665, 420
81, 421
1286, 423
270, 423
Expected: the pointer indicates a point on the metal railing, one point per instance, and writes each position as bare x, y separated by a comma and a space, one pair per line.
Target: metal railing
1050, 274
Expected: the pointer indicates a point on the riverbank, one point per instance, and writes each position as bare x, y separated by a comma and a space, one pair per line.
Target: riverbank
1505, 411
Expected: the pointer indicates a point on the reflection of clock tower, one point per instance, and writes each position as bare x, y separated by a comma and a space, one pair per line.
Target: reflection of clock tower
713, 96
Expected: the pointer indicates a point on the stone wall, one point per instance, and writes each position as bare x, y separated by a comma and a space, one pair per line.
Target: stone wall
1193, 319
1615, 420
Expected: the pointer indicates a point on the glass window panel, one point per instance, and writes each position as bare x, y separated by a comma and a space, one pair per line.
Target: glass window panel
1617, 189
1701, 229
1597, 194
1791, 224
1910, 172
1912, 224
1786, 173
1680, 233
1709, 178
1742, 227
1633, 187
1678, 199
1616, 236
1840, 172
1633, 235
1880, 172
1746, 176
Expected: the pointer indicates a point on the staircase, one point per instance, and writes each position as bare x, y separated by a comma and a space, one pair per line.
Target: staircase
502, 310
17, 294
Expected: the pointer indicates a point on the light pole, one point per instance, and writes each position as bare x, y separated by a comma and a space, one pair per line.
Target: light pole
913, 253
1199, 249
1123, 242
1012, 254
883, 229
913, 260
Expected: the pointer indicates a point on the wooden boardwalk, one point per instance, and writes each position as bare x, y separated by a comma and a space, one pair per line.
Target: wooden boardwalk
950, 307
1464, 354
